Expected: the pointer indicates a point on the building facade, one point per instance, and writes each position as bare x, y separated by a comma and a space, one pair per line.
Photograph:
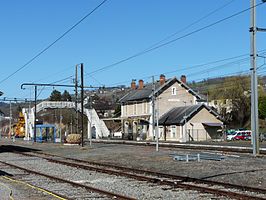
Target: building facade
137, 107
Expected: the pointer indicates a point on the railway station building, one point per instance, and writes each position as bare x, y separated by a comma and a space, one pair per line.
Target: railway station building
181, 114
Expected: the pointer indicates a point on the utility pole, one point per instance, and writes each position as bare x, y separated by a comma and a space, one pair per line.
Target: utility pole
50, 85
10, 118
60, 121
254, 80
90, 120
35, 111
153, 108
82, 104
28, 118
71, 129
76, 99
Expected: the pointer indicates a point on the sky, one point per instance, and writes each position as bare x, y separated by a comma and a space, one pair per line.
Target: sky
118, 30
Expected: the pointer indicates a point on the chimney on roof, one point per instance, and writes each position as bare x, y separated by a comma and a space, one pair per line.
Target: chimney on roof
162, 79
133, 84
141, 84
183, 79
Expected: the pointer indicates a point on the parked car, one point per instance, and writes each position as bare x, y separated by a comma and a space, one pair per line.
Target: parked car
247, 135
231, 136
240, 135
230, 133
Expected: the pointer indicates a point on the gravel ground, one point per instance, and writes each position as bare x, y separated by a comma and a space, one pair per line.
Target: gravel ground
18, 190
22, 191
241, 169
116, 184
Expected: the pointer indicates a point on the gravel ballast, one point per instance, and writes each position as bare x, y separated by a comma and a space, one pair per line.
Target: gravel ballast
241, 169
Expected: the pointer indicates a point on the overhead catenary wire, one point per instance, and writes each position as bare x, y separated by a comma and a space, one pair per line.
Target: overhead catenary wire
173, 40
179, 70
87, 74
188, 26
221, 87
209, 69
56, 73
240, 73
191, 24
197, 66
54, 42
173, 71
216, 88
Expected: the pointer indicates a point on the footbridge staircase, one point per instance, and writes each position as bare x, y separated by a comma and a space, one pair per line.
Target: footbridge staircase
96, 126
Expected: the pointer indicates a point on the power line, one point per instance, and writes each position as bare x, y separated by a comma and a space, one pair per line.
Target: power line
61, 80
87, 74
200, 65
174, 40
217, 67
190, 25
53, 74
50, 45
205, 88
187, 68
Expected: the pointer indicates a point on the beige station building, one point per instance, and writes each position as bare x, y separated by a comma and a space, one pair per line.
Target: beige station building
181, 114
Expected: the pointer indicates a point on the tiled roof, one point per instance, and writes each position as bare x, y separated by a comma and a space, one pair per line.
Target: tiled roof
146, 92
177, 115
140, 94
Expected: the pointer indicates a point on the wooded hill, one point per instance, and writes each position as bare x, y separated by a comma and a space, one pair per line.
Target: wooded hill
237, 90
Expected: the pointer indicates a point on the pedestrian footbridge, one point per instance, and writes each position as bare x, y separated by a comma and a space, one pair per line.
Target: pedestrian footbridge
94, 122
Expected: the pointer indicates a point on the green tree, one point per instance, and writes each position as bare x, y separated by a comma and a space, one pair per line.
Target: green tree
262, 107
55, 96
237, 89
66, 96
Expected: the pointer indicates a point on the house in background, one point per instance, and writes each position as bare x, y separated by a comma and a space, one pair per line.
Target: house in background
224, 106
137, 109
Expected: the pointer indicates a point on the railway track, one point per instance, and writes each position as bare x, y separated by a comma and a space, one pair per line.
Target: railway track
222, 148
173, 181
53, 185
80, 191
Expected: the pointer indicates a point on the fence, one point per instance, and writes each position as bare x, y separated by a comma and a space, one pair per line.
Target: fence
204, 135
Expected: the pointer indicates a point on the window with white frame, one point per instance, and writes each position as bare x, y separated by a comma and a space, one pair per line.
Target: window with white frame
173, 90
